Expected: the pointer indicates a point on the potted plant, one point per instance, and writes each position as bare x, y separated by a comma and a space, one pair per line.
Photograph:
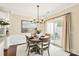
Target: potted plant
38, 31
3, 26
3, 23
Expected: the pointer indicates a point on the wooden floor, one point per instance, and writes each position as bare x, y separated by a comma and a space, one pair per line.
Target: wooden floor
11, 51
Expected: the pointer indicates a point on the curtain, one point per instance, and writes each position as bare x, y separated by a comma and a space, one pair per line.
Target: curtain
67, 32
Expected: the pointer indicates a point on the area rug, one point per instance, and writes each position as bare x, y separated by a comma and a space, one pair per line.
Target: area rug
54, 51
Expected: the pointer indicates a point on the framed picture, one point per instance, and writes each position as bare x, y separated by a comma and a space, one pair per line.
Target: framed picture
27, 26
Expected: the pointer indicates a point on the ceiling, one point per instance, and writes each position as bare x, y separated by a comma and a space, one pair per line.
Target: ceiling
30, 9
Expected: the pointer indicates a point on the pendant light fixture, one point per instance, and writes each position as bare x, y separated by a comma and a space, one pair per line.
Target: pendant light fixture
38, 20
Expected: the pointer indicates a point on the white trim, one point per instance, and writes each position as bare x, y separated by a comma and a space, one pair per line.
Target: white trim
74, 51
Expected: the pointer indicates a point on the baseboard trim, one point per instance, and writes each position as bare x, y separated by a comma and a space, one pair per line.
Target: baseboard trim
17, 44
20, 44
55, 45
74, 52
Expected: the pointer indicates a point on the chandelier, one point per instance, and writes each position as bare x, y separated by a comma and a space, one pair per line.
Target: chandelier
38, 20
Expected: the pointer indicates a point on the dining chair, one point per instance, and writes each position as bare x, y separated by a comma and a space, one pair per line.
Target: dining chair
29, 44
45, 44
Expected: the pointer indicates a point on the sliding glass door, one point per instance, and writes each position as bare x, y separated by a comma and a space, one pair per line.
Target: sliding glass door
56, 28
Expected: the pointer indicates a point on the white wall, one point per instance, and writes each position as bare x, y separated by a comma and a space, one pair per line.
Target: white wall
15, 23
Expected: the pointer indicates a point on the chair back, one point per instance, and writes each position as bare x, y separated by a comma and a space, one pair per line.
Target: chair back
27, 38
46, 38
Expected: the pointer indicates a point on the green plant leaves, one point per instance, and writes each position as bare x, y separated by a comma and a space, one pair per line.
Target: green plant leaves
3, 23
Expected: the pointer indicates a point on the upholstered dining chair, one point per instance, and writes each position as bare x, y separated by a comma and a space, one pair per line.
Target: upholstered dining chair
45, 44
29, 44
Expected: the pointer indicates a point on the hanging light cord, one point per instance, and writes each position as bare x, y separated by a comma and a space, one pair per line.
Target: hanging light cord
38, 13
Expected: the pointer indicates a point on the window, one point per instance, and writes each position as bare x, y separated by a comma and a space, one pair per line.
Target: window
50, 27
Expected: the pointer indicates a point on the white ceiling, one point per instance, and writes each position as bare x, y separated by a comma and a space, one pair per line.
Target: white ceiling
30, 9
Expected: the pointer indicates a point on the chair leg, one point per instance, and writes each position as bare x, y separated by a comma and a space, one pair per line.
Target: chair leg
42, 51
48, 52
28, 51
26, 48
